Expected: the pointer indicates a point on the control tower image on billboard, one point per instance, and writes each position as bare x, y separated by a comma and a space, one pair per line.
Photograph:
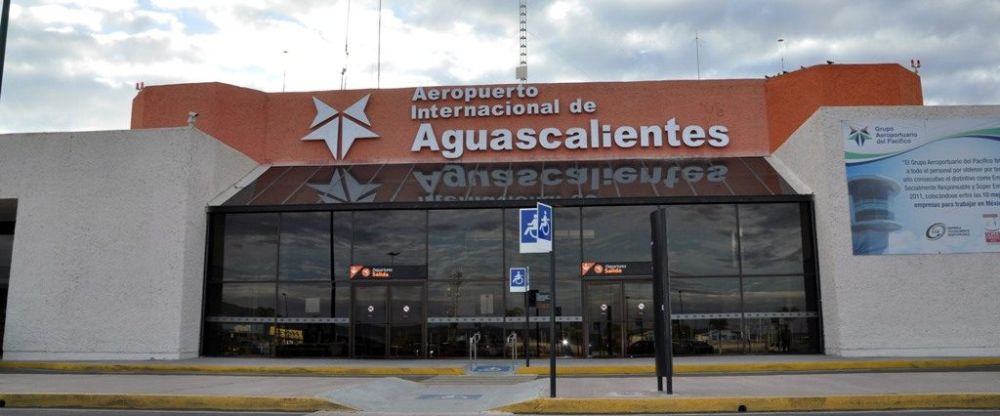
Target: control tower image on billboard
872, 217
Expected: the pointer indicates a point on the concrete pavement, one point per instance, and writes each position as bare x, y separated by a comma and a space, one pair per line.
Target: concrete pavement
967, 385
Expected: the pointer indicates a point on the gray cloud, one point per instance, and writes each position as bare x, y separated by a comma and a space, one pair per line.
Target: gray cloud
51, 63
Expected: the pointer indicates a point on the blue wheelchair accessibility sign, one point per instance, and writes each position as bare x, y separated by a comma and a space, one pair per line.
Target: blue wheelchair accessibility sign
536, 229
518, 277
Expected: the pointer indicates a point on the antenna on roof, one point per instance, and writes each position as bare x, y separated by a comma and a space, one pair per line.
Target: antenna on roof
781, 51
697, 52
347, 32
915, 64
521, 73
378, 70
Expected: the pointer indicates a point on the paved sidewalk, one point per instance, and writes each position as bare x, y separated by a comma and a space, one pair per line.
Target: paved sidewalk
851, 391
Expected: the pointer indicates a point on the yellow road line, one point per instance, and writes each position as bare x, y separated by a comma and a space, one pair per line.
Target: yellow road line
756, 404
838, 365
168, 402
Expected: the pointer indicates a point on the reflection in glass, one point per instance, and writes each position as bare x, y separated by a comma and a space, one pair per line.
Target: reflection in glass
388, 238
370, 303
250, 247
466, 299
241, 299
6, 249
618, 234
369, 340
310, 340
774, 294
407, 305
451, 340
237, 340
705, 295
405, 341
305, 246
783, 335
304, 299
702, 240
771, 238
343, 231
465, 244
707, 336
567, 247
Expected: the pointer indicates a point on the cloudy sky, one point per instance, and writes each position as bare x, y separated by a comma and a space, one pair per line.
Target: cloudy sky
72, 65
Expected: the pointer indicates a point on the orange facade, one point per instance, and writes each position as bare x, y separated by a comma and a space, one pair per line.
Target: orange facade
502, 123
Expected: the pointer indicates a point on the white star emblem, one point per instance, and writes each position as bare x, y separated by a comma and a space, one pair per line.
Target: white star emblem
340, 130
344, 188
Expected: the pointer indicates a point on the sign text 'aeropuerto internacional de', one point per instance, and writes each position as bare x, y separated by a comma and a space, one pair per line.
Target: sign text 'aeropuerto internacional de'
468, 103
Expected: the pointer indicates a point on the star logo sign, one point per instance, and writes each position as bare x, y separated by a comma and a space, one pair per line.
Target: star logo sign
340, 130
344, 188
859, 135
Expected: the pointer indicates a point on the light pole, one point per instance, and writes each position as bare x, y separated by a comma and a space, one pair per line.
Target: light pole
392, 257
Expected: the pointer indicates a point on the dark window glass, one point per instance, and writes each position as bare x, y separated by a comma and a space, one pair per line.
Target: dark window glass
617, 233
370, 303
386, 238
342, 300
707, 336
407, 305
241, 299
771, 238
783, 335
241, 340
567, 244
465, 299
569, 297
774, 294
305, 246
343, 230
250, 247
465, 244
6, 249
451, 340
304, 299
310, 340
705, 295
702, 240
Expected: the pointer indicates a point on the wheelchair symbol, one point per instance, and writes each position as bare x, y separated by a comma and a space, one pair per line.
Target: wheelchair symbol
518, 279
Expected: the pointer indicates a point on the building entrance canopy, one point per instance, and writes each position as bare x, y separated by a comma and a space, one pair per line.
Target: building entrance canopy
429, 182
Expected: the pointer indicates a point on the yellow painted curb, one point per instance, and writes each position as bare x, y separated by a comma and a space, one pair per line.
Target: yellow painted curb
97, 367
756, 404
168, 402
768, 367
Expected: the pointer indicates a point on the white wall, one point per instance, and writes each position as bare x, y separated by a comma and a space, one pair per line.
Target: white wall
109, 241
892, 305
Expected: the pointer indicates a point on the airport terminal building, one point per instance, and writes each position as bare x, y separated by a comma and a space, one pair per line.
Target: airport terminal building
823, 211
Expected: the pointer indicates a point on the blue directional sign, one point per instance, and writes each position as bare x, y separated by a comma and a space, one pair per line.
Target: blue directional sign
545, 225
536, 229
518, 277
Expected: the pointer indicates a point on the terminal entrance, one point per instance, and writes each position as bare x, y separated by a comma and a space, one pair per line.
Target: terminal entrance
294, 271
389, 320
619, 318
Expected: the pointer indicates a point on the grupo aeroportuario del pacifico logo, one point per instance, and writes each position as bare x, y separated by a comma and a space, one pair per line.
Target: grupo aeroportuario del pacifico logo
520, 107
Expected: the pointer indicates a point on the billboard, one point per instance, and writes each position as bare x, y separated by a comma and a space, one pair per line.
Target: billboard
923, 186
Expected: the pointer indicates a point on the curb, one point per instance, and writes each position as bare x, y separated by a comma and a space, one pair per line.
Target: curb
168, 402
756, 404
74, 367
775, 367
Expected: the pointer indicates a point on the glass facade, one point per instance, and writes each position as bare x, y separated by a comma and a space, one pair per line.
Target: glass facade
420, 282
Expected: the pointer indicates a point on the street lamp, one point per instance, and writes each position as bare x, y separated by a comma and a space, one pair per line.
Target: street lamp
392, 257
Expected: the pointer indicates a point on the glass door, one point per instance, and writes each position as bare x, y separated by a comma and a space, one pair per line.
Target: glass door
619, 319
639, 325
370, 320
406, 319
603, 309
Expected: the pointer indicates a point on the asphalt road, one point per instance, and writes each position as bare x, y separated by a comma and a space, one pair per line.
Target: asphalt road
70, 412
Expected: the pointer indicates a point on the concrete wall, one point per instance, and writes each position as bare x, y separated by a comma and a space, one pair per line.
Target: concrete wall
109, 240
893, 305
